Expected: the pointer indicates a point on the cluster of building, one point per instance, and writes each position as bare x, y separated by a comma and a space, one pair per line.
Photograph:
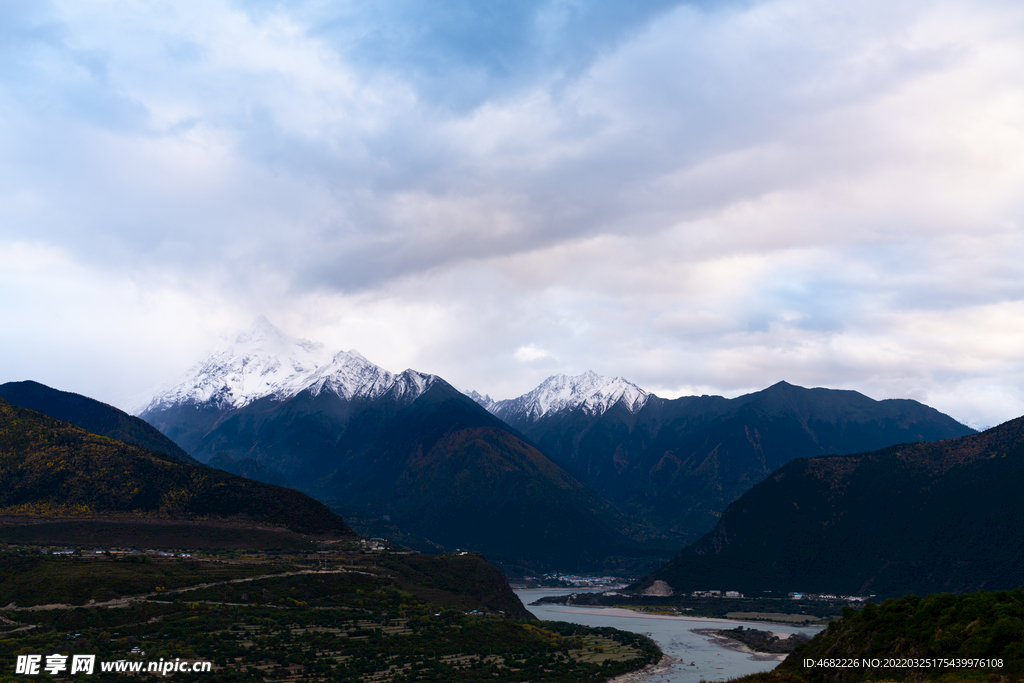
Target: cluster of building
792, 596
113, 551
716, 594
607, 582
830, 596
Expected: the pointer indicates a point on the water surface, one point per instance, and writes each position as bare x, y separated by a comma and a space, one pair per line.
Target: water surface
696, 658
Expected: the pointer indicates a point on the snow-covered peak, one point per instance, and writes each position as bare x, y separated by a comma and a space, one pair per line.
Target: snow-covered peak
590, 392
483, 399
264, 337
973, 424
264, 361
260, 329
349, 375
411, 384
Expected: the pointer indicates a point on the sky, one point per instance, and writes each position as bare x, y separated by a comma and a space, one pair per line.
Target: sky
700, 197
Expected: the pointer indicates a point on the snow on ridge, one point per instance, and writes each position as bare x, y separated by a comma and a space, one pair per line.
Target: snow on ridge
976, 426
264, 361
483, 399
349, 375
590, 392
412, 383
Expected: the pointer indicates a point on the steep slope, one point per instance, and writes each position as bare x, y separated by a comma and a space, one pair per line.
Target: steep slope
677, 463
50, 469
439, 467
981, 632
915, 518
454, 473
407, 448
250, 469
92, 416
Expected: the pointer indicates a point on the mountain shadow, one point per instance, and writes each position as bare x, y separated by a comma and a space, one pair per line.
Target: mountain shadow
92, 416
436, 465
250, 469
915, 518
52, 469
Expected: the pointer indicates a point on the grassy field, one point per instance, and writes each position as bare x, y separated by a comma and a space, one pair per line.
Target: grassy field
35, 579
775, 616
340, 615
151, 533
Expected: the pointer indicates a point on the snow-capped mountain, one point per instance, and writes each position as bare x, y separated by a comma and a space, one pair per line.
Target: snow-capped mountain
264, 361
349, 375
408, 446
483, 399
590, 392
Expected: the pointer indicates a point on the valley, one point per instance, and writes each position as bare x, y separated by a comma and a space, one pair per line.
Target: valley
235, 544
477, 341
346, 613
582, 474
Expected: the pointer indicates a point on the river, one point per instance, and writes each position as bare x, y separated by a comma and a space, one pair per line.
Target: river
695, 656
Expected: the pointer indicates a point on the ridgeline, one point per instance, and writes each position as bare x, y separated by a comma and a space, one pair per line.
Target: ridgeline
50, 469
918, 518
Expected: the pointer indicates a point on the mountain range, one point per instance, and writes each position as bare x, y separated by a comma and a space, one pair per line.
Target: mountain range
580, 472
677, 463
915, 518
405, 447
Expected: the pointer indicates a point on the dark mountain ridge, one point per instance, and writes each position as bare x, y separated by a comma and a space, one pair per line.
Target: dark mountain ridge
437, 465
250, 469
52, 469
915, 518
678, 463
92, 416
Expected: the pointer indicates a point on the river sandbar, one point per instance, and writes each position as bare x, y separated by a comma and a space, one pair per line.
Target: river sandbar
623, 612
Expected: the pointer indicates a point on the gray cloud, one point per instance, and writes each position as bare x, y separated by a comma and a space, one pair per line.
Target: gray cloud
700, 197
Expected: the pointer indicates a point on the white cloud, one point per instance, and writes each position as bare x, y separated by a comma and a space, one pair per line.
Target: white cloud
529, 353
99, 333
707, 199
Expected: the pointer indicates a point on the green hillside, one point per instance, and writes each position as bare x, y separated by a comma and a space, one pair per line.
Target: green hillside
92, 416
341, 614
51, 469
978, 636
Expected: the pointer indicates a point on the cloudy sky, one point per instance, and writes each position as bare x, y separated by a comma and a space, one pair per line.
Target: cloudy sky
701, 197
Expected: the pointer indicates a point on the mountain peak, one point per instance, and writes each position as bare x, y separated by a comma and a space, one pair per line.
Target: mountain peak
264, 361
264, 336
261, 328
483, 399
590, 392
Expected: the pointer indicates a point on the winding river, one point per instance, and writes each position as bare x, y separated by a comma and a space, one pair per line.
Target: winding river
696, 657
